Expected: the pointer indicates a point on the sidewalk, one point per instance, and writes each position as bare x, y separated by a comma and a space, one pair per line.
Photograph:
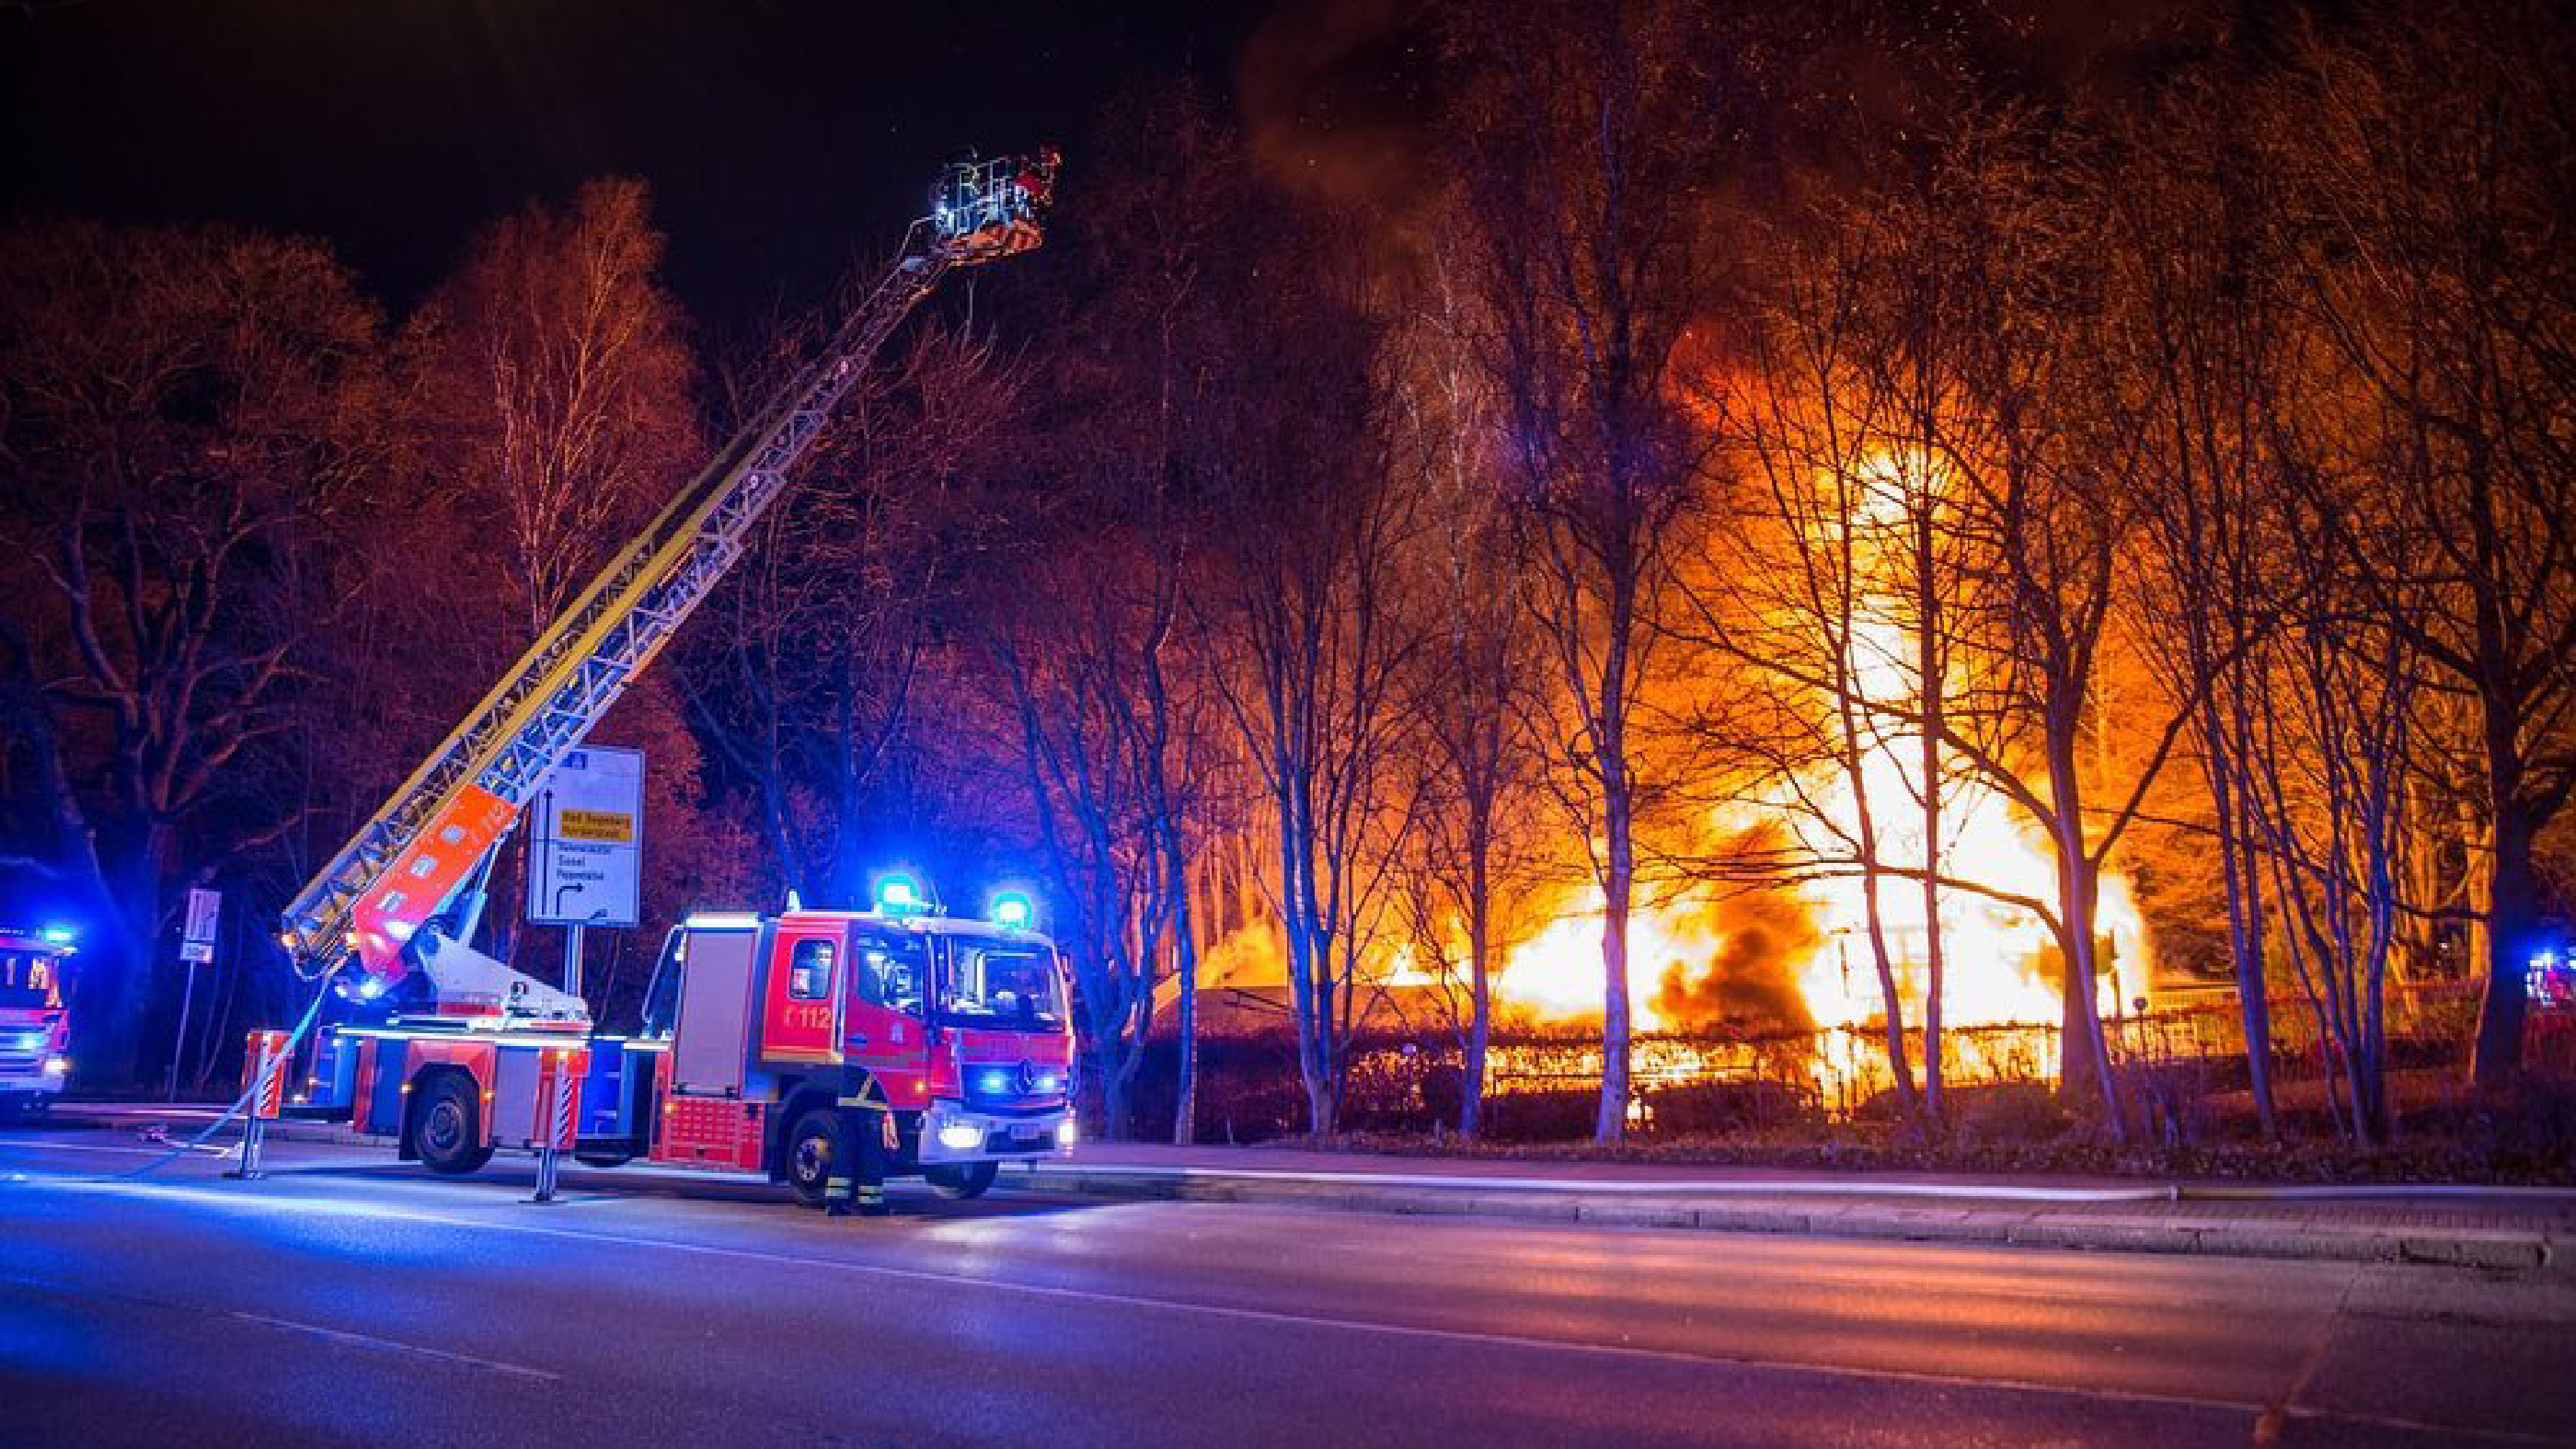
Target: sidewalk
2527, 1230
2523, 1229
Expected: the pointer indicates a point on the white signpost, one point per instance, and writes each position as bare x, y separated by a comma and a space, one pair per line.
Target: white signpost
196, 948
583, 860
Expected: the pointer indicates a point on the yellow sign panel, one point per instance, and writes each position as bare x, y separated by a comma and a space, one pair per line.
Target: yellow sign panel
607, 825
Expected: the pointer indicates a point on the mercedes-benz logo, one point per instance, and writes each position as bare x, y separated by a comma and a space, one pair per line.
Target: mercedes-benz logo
1028, 1077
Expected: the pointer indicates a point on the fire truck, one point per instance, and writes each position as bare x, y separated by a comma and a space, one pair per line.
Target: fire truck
751, 1019
34, 1020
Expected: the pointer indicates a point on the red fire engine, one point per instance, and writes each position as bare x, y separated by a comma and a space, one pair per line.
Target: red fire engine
961, 1025
749, 1023
34, 1017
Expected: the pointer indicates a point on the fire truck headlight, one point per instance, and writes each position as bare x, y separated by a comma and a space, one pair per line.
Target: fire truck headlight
31, 1041
1067, 1134
960, 1137
58, 1066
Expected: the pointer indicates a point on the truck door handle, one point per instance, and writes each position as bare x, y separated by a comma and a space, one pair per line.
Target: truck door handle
857, 1040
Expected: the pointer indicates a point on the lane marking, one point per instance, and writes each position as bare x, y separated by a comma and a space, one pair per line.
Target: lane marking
1276, 1317
335, 1335
386, 1345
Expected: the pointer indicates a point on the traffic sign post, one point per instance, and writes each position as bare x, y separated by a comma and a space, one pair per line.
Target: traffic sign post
196, 948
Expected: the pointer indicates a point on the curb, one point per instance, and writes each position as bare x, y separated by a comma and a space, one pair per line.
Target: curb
1956, 1219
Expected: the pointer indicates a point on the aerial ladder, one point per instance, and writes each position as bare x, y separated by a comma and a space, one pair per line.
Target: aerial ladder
402, 899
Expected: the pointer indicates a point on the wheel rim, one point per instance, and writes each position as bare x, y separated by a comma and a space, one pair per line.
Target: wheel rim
444, 1133
813, 1157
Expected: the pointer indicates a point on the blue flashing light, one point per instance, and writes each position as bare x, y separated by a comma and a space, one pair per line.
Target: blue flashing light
60, 935
897, 894
1012, 909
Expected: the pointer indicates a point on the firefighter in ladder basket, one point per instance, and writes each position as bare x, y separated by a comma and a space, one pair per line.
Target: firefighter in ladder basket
863, 1143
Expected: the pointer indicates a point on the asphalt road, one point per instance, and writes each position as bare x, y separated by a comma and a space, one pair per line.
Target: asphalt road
348, 1301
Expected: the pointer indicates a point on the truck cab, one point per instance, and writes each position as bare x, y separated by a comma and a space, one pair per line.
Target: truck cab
34, 1018
755, 1024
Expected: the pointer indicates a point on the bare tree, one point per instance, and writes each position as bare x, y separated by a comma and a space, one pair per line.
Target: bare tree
811, 689
2326, 791
1304, 607
1589, 149
1470, 853
2426, 162
553, 374
185, 412
2205, 363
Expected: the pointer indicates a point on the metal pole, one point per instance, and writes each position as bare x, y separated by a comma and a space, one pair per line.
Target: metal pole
249, 1170
179, 1038
572, 959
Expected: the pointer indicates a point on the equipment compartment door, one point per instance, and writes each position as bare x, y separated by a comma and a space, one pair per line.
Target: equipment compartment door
707, 1056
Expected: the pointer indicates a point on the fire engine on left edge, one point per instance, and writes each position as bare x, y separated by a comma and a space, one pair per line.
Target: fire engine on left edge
35, 992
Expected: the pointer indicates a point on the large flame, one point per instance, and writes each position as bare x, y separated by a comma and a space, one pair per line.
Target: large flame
1701, 951
1998, 958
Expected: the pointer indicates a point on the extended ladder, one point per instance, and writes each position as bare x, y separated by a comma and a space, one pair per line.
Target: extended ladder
411, 857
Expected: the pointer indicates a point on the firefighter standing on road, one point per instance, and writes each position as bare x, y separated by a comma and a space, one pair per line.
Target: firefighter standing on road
863, 1143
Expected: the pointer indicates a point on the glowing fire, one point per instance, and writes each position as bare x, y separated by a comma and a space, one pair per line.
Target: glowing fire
1992, 952
1997, 955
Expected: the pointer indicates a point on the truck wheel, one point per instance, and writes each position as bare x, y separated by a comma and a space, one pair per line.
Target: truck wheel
964, 1180
445, 1130
809, 1155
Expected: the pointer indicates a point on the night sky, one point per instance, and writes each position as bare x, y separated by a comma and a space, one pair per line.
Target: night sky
782, 139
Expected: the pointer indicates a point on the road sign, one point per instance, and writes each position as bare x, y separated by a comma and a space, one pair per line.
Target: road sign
205, 908
196, 953
584, 857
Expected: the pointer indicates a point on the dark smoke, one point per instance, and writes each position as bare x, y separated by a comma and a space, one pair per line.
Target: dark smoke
1749, 983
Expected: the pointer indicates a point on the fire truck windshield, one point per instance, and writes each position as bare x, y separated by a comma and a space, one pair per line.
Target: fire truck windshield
27, 979
999, 983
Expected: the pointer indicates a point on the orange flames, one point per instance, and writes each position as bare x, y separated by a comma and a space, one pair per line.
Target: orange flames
1802, 957
2000, 960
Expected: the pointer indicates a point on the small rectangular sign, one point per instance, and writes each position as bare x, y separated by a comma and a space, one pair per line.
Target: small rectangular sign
197, 953
584, 859
601, 825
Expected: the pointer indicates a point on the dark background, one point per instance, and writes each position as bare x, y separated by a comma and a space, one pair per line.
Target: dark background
782, 138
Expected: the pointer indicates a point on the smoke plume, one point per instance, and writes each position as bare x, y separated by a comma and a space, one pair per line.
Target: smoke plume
1748, 982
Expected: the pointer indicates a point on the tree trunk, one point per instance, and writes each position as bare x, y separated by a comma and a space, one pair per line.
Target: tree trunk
1113, 1096
1185, 972
138, 920
2084, 1058
1617, 887
1929, 676
2513, 921
2244, 907
1480, 995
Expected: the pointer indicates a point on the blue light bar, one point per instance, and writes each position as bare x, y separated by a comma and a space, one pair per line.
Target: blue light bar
60, 935
897, 894
1012, 909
